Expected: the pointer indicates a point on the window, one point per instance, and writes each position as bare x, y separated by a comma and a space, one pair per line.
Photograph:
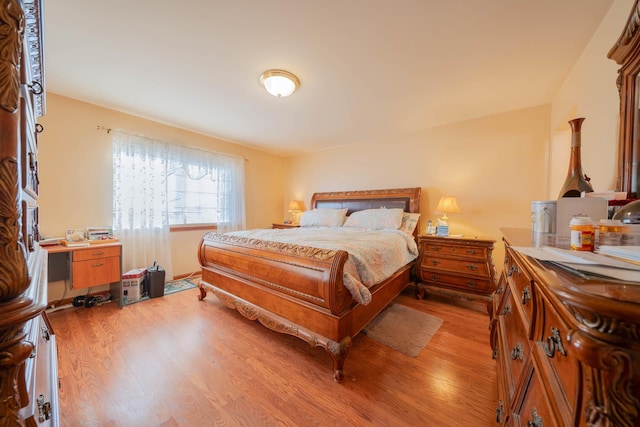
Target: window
191, 201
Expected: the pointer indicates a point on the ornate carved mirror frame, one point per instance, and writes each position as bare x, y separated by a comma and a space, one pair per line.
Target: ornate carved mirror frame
626, 52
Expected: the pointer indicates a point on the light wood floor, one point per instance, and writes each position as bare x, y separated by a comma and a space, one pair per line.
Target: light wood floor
177, 361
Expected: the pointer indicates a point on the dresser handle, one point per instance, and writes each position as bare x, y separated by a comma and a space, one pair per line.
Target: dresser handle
472, 267
537, 420
472, 284
506, 310
44, 409
100, 264
435, 248
98, 253
516, 353
435, 277
435, 262
553, 343
500, 289
526, 295
512, 269
471, 251
45, 333
35, 87
499, 411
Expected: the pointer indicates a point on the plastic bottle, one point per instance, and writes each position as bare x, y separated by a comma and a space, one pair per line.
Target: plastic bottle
583, 233
610, 232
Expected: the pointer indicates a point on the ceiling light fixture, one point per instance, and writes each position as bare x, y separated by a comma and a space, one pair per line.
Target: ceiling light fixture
279, 82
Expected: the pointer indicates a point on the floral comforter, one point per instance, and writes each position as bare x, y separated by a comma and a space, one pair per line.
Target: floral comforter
374, 255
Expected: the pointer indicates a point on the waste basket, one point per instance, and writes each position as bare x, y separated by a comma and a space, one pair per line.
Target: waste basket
155, 280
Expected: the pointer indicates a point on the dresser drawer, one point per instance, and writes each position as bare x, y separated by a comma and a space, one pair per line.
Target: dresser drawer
469, 284
523, 288
93, 272
535, 409
516, 349
95, 253
557, 359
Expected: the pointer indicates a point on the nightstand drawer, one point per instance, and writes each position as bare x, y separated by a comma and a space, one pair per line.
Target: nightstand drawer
470, 284
457, 266
451, 250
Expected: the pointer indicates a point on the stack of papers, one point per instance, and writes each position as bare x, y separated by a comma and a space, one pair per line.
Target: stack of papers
624, 253
590, 265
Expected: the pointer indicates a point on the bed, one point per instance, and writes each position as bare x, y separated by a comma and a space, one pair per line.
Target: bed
299, 289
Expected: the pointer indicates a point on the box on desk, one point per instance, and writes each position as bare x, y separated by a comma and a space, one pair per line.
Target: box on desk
133, 285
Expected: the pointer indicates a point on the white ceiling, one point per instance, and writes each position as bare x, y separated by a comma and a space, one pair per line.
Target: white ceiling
368, 68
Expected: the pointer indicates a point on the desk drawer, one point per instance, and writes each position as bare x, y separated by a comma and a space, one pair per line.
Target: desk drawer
93, 272
95, 253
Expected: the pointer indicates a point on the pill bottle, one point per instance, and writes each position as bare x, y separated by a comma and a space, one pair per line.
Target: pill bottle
610, 232
583, 233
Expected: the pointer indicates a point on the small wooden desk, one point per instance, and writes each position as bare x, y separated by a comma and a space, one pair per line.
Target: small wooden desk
87, 266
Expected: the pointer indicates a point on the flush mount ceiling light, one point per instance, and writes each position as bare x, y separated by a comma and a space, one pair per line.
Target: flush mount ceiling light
279, 82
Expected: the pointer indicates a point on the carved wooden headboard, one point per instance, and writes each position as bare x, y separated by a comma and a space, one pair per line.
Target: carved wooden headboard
407, 199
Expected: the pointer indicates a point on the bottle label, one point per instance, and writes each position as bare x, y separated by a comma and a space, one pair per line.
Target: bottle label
582, 240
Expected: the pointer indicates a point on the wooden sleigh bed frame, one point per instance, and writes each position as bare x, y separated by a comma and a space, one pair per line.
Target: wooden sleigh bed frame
298, 290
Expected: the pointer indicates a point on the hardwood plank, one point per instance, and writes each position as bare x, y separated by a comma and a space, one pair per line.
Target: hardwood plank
177, 361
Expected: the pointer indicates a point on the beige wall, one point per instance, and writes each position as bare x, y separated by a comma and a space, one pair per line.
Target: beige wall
493, 165
76, 174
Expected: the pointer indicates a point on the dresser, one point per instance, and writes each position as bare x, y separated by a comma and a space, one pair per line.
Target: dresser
457, 267
567, 348
28, 353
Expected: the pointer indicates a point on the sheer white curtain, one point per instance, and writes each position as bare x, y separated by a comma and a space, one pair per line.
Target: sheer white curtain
141, 167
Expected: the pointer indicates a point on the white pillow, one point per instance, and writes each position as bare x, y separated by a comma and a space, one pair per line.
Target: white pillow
409, 222
376, 218
326, 217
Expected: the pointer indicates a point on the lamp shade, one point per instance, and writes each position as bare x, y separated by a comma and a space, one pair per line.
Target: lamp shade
296, 206
279, 82
447, 204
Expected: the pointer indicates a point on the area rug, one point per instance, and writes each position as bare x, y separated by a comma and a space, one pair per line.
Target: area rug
403, 329
170, 288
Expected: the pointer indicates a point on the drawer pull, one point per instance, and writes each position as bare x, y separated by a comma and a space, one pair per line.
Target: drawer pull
435, 248
472, 267
500, 289
98, 253
494, 354
553, 343
537, 420
472, 284
499, 411
472, 252
435, 277
35, 87
516, 353
435, 262
44, 409
45, 333
99, 264
526, 295
512, 269
506, 310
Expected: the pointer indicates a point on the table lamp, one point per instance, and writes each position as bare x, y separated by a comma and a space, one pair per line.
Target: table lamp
296, 206
447, 204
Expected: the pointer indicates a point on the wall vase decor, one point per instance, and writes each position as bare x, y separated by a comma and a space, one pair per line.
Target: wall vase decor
576, 181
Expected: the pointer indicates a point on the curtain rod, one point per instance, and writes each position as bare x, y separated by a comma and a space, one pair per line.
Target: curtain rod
109, 130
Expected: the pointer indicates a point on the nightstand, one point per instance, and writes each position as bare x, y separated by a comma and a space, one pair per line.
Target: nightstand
281, 225
457, 267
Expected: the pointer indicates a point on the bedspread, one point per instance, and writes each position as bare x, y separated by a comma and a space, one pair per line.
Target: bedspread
374, 255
